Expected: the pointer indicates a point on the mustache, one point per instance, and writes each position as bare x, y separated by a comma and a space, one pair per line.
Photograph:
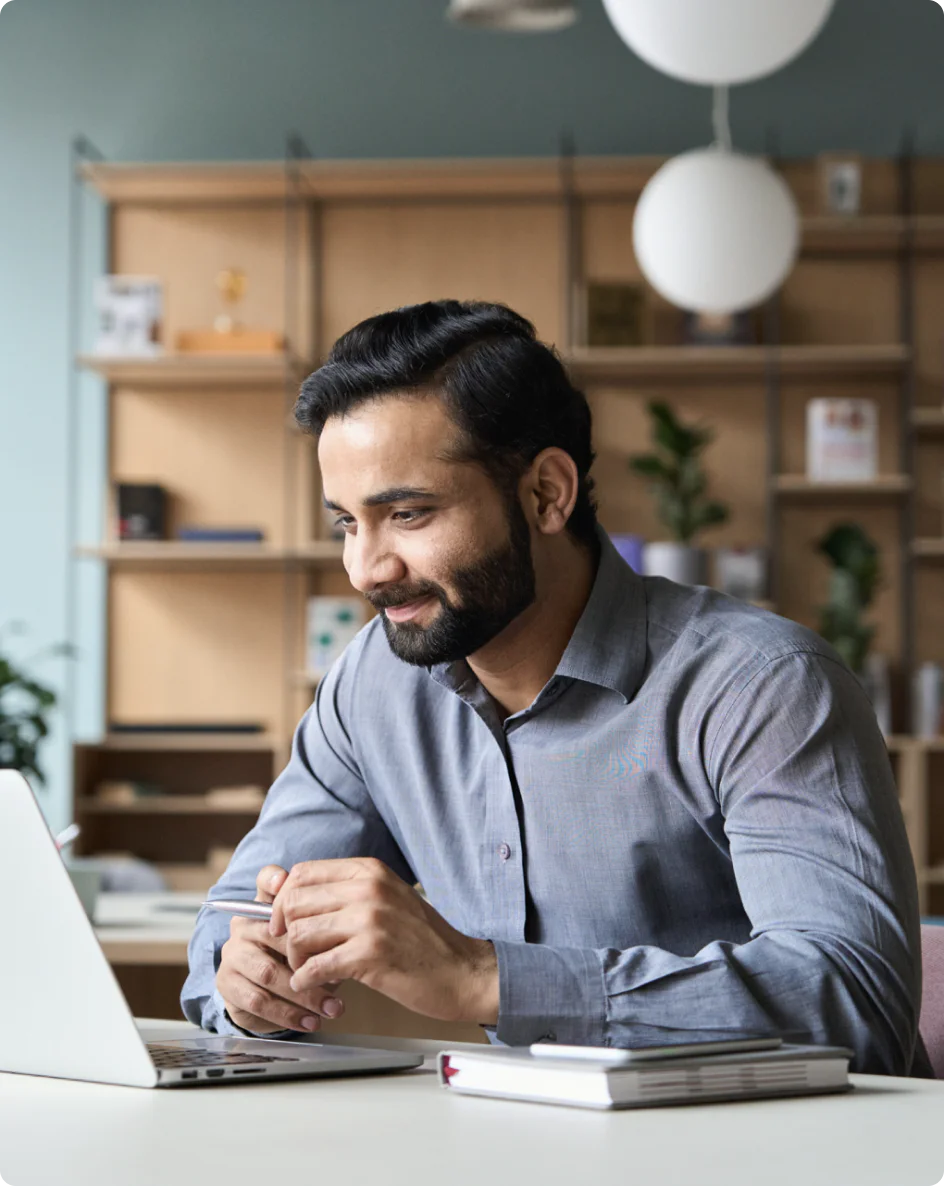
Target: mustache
393, 598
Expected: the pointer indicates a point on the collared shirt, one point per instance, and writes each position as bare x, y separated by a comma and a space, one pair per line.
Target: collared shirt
693, 828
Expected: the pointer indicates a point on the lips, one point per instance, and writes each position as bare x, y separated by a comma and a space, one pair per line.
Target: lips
404, 613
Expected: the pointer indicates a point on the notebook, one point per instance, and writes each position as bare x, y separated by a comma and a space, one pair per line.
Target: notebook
600, 1082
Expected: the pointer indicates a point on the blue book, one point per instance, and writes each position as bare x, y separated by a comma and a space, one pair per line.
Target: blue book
225, 535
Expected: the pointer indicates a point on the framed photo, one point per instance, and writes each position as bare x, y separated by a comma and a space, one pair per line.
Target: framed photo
841, 184
617, 314
128, 310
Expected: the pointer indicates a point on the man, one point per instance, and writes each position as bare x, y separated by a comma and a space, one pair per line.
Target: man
639, 811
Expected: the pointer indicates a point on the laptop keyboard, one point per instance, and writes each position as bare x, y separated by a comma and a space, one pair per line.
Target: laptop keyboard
174, 1057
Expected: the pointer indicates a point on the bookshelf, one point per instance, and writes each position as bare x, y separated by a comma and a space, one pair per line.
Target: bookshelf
199, 631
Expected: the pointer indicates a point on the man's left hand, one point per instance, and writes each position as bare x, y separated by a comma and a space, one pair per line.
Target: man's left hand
356, 920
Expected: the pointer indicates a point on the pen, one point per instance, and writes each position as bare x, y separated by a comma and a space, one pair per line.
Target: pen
241, 906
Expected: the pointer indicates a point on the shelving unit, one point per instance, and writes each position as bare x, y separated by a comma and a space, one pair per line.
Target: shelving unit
199, 631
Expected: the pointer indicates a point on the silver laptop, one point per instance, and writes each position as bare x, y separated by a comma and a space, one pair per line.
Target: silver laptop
63, 1013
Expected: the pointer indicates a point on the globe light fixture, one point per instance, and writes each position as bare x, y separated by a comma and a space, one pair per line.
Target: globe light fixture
718, 42
716, 231
514, 16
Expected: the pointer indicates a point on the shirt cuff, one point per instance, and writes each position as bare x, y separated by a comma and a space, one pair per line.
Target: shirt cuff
551, 994
224, 1024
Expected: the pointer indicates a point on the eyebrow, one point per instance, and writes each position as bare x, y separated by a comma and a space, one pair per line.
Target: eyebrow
385, 497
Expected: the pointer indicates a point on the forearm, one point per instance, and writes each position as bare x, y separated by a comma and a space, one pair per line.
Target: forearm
808, 989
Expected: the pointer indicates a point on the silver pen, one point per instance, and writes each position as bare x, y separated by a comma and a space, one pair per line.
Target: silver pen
242, 906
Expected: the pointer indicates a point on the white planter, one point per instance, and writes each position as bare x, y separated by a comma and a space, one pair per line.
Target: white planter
676, 562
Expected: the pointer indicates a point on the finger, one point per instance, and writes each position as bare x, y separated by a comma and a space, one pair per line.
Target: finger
313, 936
269, 881
343, 962
269, 967
297, 902
255, 1008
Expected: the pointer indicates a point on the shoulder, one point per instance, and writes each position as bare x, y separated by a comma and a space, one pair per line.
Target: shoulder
711, 628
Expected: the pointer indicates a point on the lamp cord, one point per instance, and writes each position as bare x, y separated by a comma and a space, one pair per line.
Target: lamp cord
720, 119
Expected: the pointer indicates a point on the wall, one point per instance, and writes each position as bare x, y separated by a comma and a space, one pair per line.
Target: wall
357, 78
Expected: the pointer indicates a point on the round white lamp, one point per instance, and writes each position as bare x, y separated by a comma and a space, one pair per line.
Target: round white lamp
514, 16
715, 231
717, 42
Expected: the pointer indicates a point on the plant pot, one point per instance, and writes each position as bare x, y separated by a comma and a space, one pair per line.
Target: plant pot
675, 562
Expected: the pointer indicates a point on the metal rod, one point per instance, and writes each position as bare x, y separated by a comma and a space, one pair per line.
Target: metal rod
906, 281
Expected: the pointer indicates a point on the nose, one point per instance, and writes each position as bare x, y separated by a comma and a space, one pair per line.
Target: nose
370, 563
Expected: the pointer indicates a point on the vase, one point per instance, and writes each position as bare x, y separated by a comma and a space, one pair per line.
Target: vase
675, 562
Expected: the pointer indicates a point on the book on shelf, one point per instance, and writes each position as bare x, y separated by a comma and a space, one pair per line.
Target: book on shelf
188, 727
595, 1080
221, 535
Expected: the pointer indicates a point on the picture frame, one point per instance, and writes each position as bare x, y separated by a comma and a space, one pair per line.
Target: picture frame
841, 184
617, 313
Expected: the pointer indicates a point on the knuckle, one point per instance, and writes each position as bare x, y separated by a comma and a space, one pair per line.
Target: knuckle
256, 1001
266, 973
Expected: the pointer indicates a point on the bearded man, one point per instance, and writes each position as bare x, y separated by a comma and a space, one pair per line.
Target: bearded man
640, 812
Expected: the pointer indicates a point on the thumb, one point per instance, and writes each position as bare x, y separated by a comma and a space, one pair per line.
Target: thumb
269, 881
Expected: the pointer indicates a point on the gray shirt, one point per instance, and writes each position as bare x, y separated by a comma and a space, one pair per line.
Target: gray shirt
694, 827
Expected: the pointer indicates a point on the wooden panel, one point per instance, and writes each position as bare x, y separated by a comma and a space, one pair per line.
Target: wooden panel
929, 331
188, 245
839, 302
929, 612
194, 647
929, 488
218, 453
377, 258
735, 462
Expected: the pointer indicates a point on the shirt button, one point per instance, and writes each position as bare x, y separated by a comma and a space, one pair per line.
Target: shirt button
504, 851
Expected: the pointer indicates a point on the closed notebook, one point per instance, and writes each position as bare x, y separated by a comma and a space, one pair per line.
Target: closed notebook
515, 1073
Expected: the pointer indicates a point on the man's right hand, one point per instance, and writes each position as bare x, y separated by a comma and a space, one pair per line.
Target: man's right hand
254, 974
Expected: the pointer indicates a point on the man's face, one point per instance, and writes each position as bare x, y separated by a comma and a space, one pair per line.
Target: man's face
430, 542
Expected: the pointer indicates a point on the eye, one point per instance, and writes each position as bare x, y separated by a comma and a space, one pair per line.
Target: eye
411, 516
345, 522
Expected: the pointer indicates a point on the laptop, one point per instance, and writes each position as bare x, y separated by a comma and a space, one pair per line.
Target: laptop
64, 1014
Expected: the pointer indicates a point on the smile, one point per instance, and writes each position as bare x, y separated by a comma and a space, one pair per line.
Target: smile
403, 613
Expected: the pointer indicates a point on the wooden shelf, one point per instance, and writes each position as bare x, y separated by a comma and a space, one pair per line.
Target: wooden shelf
195, 742
181, 554
183, 371
163, 805
424, 179
723, 363
928, 420
861, 235
798, 486
929, 548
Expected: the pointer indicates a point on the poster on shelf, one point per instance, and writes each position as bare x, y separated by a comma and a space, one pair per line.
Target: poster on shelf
841, 440
128, 316
332, 624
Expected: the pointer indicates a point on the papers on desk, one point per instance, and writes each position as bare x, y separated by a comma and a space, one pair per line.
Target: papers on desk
515, 1073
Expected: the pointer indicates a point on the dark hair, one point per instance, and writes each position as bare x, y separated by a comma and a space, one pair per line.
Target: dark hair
508, 393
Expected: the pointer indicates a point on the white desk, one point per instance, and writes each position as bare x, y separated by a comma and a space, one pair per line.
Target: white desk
405, 1130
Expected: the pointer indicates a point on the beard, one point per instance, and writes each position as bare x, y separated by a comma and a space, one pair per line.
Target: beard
491, 593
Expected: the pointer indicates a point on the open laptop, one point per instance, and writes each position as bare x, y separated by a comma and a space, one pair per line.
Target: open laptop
63, 1012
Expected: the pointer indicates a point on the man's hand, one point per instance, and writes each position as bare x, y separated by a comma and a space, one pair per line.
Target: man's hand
253, 977
356, 920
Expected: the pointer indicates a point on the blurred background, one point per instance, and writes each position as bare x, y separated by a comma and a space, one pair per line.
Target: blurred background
734, 238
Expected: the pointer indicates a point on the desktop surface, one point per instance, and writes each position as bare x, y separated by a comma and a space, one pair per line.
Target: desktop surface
406, 1129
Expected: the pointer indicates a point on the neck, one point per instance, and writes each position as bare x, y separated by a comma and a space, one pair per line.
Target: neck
516, 665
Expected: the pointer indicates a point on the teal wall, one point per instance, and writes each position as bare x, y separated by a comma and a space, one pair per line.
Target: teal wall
181, 79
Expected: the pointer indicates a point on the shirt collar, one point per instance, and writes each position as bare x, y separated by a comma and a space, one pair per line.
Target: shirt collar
608, 645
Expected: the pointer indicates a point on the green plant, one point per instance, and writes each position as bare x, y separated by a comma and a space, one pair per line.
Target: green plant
676, 475
852, 583
25, 706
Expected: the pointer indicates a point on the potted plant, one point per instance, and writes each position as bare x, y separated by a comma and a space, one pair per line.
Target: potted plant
852, 584
25, 707
680, 486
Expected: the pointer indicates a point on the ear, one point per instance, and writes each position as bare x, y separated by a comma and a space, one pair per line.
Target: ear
549, 490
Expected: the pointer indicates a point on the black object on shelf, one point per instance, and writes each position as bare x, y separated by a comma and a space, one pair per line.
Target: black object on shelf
142, 511
190, 727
